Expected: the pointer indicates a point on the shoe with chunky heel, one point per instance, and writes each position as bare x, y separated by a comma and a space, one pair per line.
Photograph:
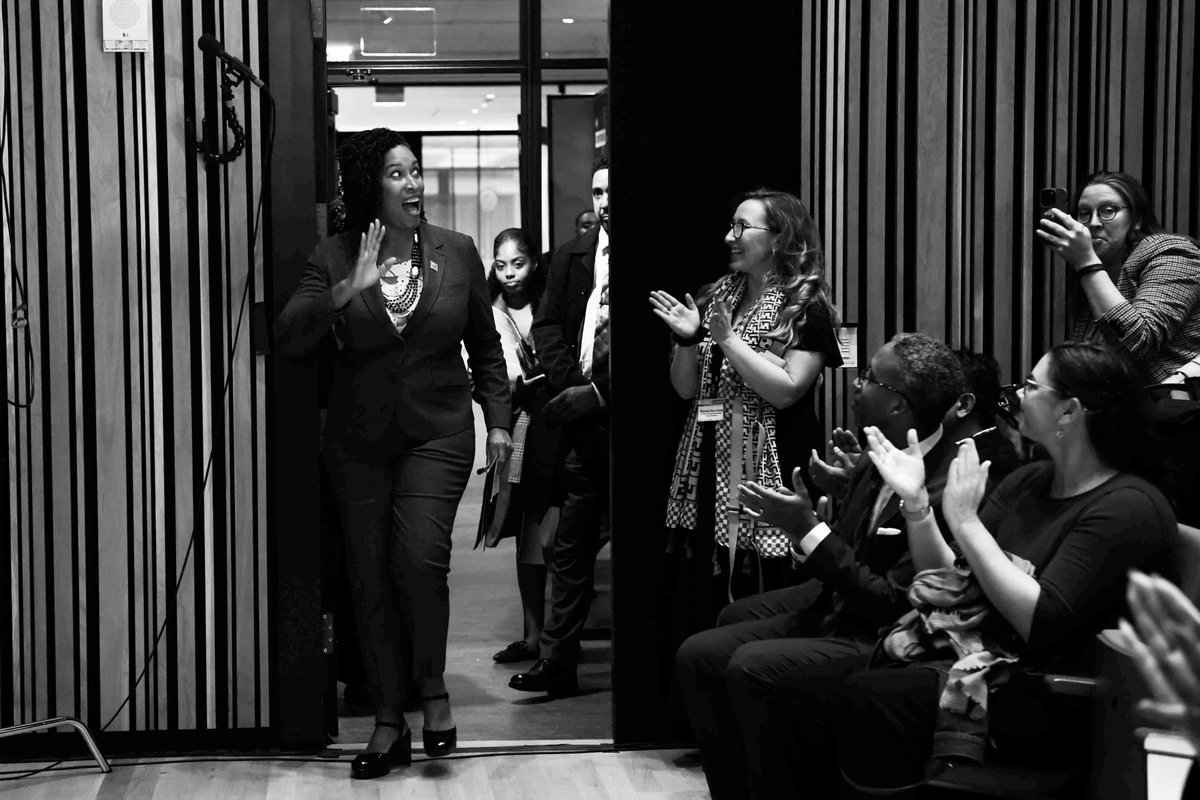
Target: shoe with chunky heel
375, 765
439, 743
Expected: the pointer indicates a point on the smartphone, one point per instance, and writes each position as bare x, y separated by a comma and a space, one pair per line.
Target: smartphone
1053, 197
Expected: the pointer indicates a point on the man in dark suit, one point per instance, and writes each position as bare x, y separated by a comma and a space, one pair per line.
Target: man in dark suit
570, 334
860, 566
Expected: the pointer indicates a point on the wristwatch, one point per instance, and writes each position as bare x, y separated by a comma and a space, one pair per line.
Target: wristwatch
916, 514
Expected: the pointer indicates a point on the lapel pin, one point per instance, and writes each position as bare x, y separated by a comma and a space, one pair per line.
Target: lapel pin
433, 265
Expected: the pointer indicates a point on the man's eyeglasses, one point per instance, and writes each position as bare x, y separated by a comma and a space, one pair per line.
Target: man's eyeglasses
1105, 213
864, 376
738, 227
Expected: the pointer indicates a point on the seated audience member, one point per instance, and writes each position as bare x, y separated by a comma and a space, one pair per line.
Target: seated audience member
1165, 642
861, 566
974, 415
1135, 286
1046, 555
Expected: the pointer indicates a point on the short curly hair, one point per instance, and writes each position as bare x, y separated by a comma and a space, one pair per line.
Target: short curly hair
360, 163
931, 377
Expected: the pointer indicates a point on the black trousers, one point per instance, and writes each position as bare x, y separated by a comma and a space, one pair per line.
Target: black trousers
583, 483
398, 511
727, 675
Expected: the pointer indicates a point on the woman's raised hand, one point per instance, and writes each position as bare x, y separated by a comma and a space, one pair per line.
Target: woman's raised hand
966, 485
682, 318
720, 323
367, 269
1069, 237
904, 470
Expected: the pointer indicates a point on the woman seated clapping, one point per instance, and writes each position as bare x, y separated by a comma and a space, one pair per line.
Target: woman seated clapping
1077, 522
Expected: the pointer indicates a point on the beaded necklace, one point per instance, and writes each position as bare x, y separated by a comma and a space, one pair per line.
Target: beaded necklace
402, 283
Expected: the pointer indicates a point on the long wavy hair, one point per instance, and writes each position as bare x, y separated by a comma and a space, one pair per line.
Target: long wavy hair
360, 167
799, 264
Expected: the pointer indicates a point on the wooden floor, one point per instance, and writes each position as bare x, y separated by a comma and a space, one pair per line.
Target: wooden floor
643, 774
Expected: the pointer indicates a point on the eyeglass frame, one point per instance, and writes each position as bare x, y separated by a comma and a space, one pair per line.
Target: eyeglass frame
1096, 212
864, 377
738, 234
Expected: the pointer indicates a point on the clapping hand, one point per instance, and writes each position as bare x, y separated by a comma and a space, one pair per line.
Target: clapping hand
903, 470
720, 324
1070, 238
966, 485
790, 510
682, 318
1164, 640
843, 452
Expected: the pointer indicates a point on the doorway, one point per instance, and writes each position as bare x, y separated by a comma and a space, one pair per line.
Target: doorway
469, 85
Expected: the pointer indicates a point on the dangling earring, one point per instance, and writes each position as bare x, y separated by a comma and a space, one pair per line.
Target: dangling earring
1058, 434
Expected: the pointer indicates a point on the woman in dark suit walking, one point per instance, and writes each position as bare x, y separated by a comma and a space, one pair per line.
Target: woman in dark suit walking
402, 298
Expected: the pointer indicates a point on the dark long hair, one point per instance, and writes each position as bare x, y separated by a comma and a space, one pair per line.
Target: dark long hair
360, 165
537, 278
799, 267
1108, 385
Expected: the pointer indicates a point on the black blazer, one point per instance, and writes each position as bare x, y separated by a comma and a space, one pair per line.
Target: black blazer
388, 384
556, 327
866, 574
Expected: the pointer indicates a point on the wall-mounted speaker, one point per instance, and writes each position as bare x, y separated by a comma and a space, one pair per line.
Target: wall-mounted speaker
126, 25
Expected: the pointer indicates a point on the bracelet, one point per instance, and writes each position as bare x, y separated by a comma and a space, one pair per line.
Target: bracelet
691, 341
915, 515
1089, 269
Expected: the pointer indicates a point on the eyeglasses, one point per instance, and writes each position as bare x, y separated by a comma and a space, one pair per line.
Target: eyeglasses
738, 227
1105, 213
864, 376
1029, 384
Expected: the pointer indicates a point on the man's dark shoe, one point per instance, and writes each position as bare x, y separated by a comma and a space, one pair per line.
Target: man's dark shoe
547, 675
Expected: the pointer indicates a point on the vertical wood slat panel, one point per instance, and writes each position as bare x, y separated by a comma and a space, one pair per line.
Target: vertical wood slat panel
129, 369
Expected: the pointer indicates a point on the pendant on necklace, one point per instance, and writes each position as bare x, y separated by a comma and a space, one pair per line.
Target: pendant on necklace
413, 272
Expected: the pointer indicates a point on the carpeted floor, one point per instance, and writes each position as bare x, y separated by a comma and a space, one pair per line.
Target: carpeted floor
485, 615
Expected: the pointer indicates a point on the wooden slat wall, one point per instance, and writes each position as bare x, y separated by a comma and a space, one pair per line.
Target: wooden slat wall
928, 128
138, 271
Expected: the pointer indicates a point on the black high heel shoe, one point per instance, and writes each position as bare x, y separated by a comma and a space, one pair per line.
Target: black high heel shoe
439, 743
376, 765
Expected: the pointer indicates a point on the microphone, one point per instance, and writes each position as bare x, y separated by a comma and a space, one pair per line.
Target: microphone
211, 45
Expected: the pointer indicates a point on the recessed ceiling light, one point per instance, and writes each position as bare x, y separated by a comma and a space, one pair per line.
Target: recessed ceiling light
462, 122
567, 20
474, 110
489, 97
387, 20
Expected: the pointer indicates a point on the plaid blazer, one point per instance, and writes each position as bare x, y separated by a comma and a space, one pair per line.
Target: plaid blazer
1158, 325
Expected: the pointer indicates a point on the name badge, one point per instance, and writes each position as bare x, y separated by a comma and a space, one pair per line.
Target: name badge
710, 411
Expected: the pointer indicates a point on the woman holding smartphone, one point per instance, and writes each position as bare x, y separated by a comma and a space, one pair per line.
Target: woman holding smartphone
748, 356
1133, 285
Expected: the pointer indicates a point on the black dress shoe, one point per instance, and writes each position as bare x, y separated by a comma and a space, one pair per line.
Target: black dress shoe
439, 743
517, 651
376, 765
549, 676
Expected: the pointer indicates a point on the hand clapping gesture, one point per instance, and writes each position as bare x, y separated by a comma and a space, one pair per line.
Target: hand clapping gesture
965, 486
833, 475
904, 470
1165, 642
1070, 238
682, 318
791, 511
720, 324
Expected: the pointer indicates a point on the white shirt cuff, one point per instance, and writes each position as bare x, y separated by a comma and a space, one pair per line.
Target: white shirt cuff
811, 542
599, 396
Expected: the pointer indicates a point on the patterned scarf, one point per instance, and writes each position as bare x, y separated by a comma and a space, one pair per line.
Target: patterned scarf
758, 418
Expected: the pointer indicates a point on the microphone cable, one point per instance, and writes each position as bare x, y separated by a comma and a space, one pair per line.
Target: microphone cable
150, 657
